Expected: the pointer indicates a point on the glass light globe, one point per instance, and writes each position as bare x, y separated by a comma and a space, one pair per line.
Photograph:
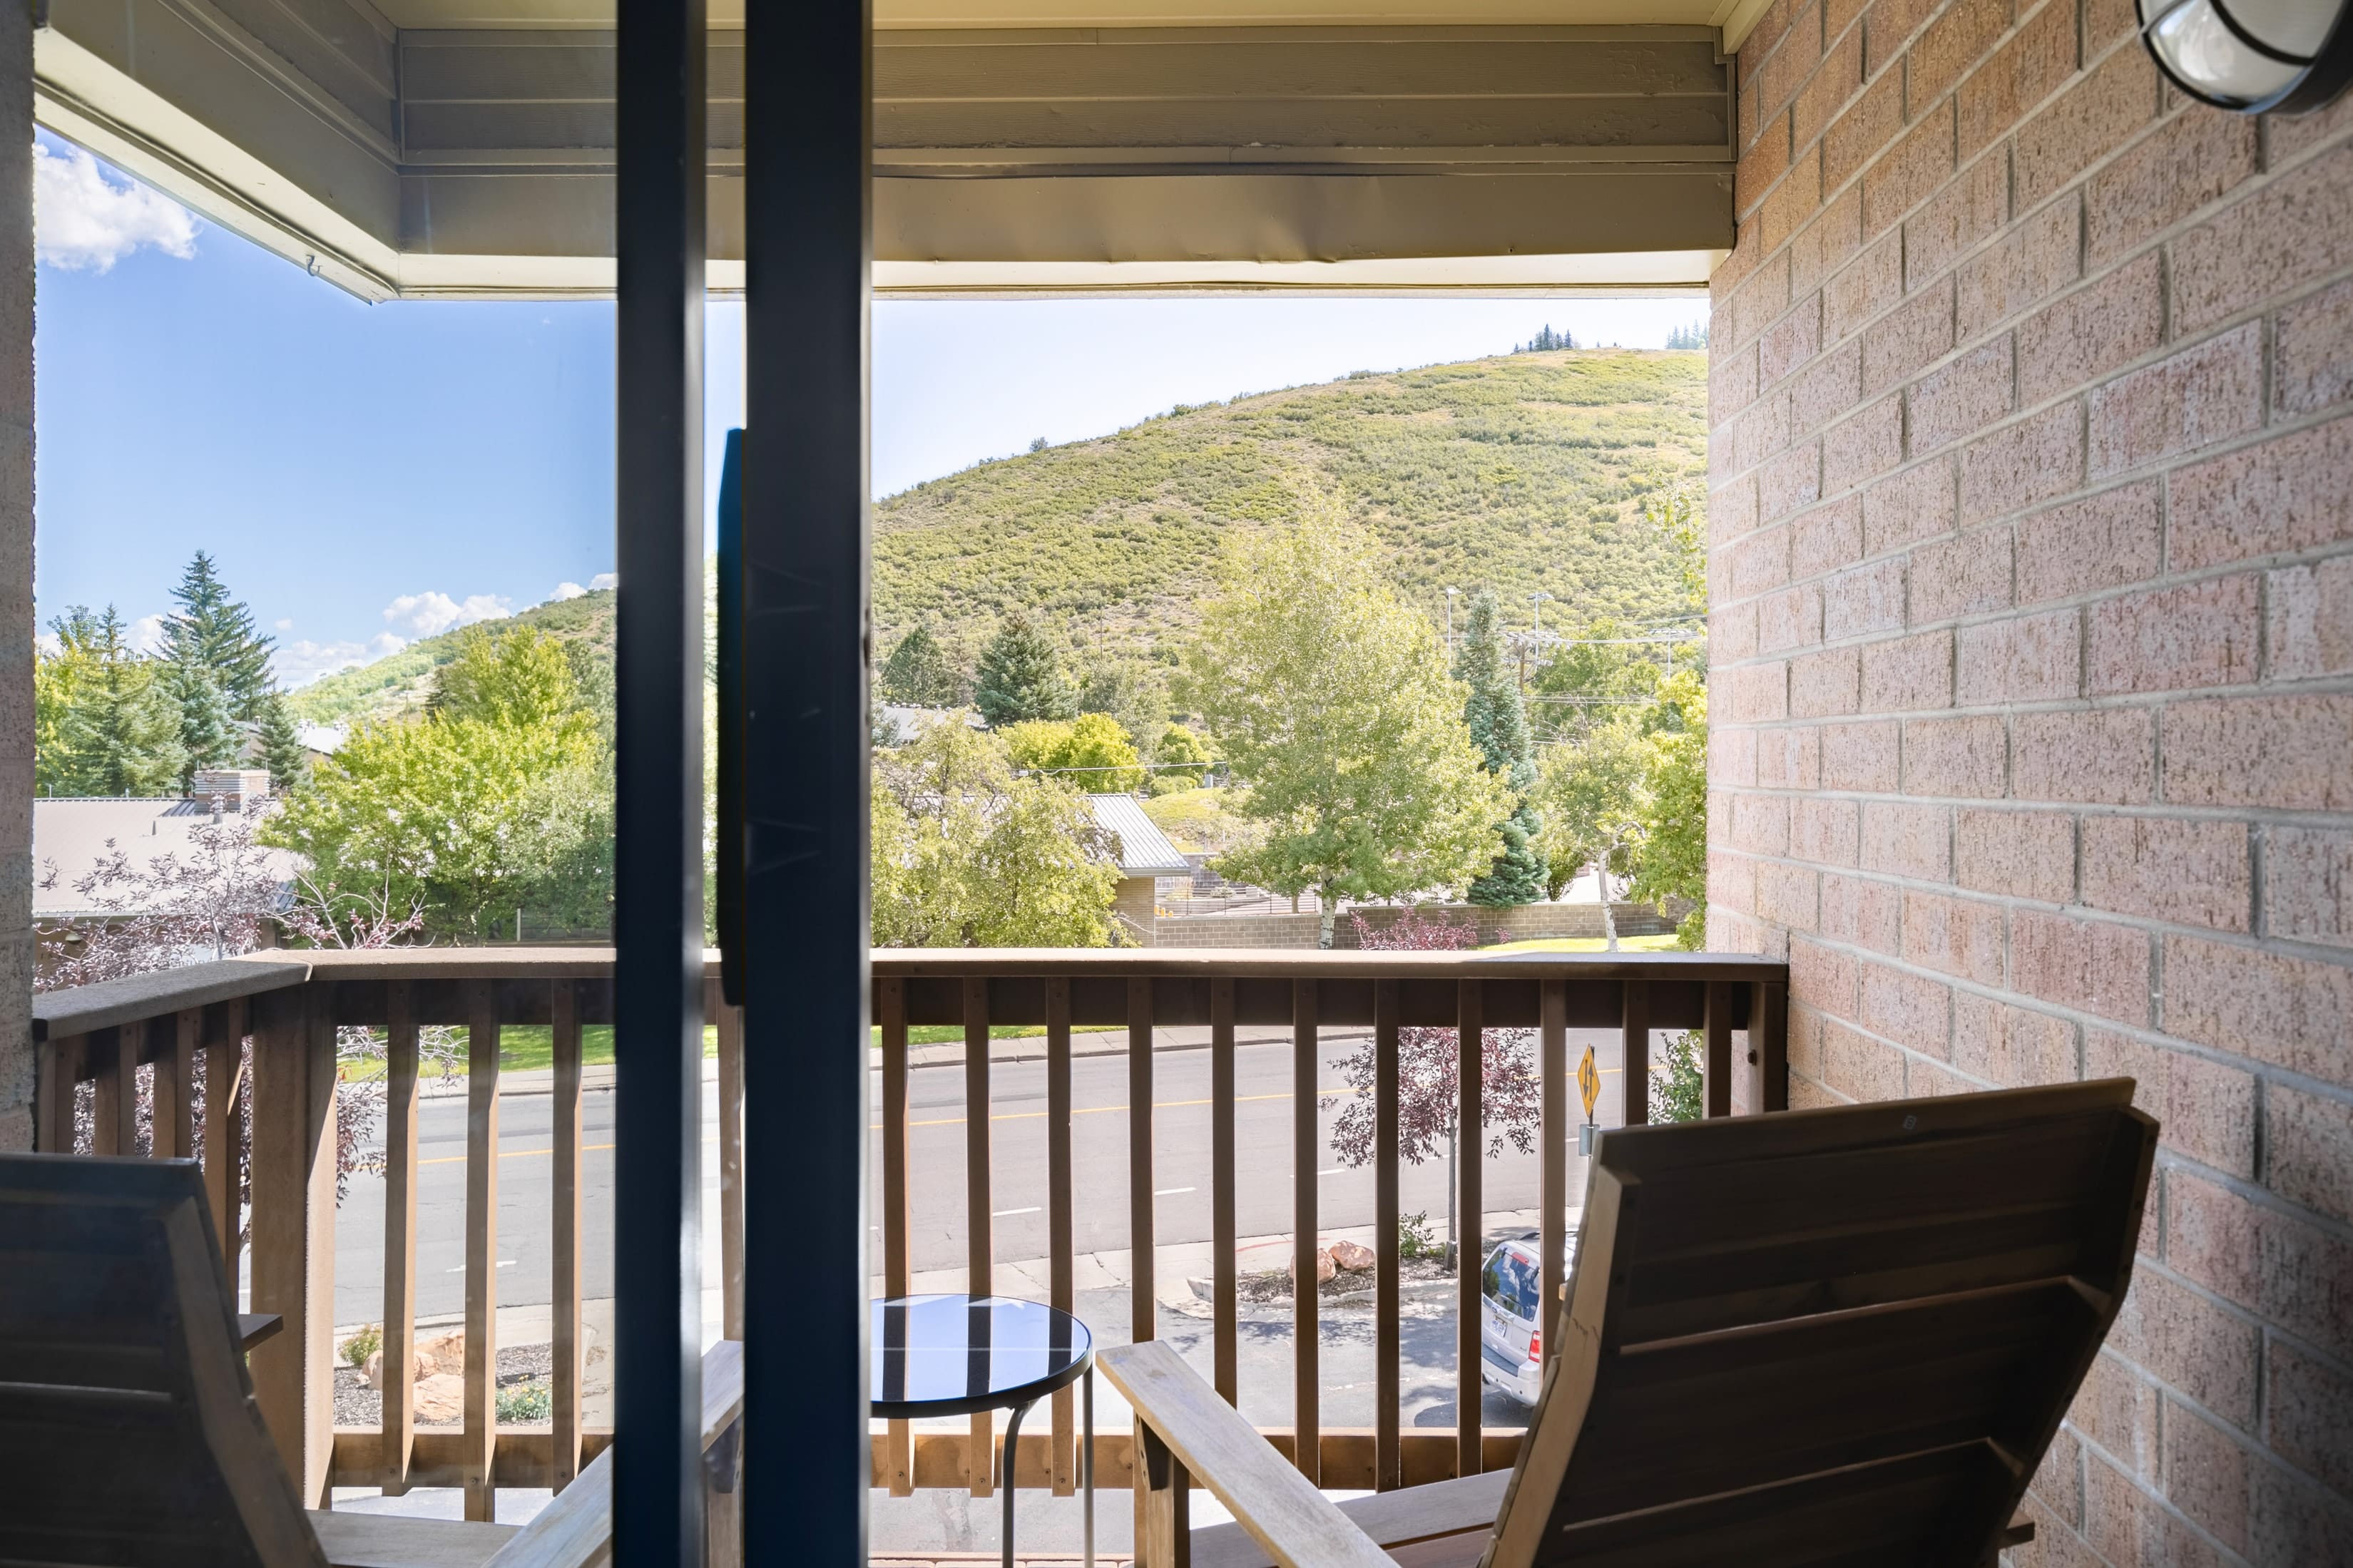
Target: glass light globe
2197, 46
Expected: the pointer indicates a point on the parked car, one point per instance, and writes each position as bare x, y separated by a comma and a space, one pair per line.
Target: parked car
1511, 1338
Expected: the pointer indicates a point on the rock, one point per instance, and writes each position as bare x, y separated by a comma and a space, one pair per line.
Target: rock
447, 1354
441, 1397
1325, 1268
1354, 1256
425, 1367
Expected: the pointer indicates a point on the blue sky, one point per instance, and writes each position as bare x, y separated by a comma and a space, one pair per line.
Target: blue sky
366, 475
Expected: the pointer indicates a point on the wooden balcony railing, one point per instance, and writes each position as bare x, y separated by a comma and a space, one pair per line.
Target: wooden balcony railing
181, 1023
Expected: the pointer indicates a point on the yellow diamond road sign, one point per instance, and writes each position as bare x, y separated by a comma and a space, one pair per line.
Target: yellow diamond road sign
1589, 1081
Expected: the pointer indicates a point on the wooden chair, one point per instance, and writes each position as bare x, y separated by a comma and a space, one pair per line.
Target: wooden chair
128, 1429
1837, 1337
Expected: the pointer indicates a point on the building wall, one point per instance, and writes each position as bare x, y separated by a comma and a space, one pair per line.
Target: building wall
2031, 500
16, 578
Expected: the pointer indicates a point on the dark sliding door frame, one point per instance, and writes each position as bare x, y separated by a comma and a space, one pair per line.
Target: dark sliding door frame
658, 228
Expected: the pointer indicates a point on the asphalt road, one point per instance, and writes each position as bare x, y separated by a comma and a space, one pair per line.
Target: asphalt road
1181, 1175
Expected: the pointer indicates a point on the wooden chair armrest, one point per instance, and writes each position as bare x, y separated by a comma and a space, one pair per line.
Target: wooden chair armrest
1206, 1438
252, 1328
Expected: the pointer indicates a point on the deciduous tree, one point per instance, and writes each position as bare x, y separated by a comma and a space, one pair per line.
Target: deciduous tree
1090, 752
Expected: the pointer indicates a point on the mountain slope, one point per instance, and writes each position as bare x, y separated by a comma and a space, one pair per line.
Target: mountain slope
399, 683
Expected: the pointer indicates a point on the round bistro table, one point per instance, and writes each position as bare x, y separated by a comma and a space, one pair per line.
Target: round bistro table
958, 1355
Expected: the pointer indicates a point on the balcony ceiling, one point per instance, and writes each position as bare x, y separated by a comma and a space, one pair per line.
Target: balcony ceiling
463, 148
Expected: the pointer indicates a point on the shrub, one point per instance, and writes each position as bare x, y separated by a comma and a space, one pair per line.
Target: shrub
525, 1402
364, 1345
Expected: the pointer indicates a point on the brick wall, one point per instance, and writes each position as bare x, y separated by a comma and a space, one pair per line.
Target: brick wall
2032, 583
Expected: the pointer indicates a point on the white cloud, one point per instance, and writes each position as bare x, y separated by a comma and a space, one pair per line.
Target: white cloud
301, 663
85, 222
604, 580
147, 635
430, 614
283, 626
567, 591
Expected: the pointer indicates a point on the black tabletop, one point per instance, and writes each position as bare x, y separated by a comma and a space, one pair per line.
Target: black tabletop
950, 1355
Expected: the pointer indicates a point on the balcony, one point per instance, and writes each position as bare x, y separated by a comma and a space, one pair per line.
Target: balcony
183, 1031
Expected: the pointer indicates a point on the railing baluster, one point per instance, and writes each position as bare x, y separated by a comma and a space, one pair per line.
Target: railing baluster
53, 1094
481, 1430
294, 1229
1388, 1472
729, 1022
1470, 1224
399, 1343
1635, 1039
225, 1091
114, 1105
1552, 1225
175, 1085
900, 1478
1144, 1319
1061, 1265
1718, 1072
1226, 1263
1306, 1297
1769, 1041
564, 1348
981, 1256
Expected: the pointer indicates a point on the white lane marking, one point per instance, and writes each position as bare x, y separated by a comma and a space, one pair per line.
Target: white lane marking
1033, 1208
1172, 1191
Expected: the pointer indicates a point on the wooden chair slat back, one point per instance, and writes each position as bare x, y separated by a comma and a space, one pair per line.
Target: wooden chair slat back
1892, 1305
128, 1431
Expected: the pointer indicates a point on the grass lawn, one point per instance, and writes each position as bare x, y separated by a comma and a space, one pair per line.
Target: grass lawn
526, 1046
1662, 943
953, 1033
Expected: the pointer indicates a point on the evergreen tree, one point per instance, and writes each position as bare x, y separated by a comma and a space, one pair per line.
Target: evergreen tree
213, 632
918, 672
282, 752
208, 736
1499, 724
121, 736
1021, 676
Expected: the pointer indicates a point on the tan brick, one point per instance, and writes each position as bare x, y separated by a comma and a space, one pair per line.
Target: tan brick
2036, 459
1915, 504
1913, 334
1832, 239
1837, 79
2187, 1340
2187, 872
2295, 228
1972, 207
2308, 1145
2295, 1520
2174, 639
1732, 758
2291, 493
1912, 169
1792, 481
1860, 450
1788, 895
1825, 685
1961, 937
2018, 854
1761, 298
1757, 564
1865, 287
2022, 74
2274, 1007
2206, 1477
1790, 341
1756, 694
2191, 160
1732, 632
2203, 394
2104, 756
2054, 1505
1906, 673
1965, 757
1885, 27
2079, 338
1961, 398
1868, 124
1759, 431
2011, 1047
1765, 161
1913, 1010
2126, 1524
2033, 262
1791, 618
2308, 884
1802, 48
2284, 1270
2205, 1108
1958, 37
1731, 384
1789, 204
2290, 753
1908, 838
2312, 1417
1860, 757
2032, 659
2116, 1409
1787, 759
1865, 913
1825, 831
2308, 620
2105, 540
1760, 824
1966, 574
1821, 977
1826, 539
1923, 1078
1868, 599
2099, 114
2310, 368
1826, 390
2087, 965
1731, 880
1859, 1068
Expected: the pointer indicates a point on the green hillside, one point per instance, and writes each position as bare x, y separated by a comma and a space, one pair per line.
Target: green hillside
1520, 472
399, 683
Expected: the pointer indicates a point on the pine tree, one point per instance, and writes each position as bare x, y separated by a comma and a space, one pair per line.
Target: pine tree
122, 734
1021, 676
211, 631
1498, 720
918, 672
208, 736
282, 752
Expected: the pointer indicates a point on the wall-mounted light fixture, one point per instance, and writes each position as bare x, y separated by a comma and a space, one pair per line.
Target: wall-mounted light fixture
2251, 57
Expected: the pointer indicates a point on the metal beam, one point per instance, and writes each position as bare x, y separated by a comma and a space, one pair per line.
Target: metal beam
808, 249
657, 868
